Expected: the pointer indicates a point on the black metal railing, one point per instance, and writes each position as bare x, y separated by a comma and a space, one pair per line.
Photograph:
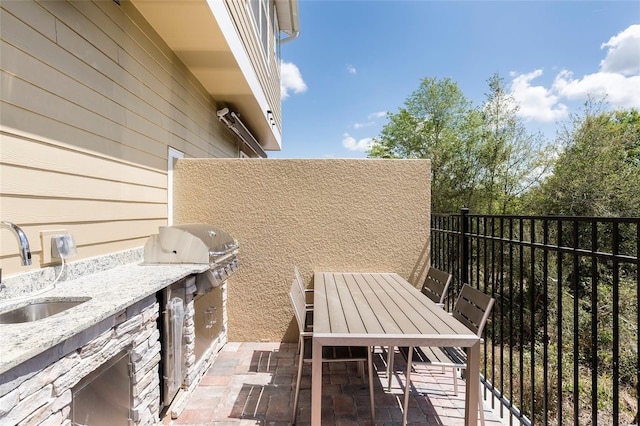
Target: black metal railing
562, 343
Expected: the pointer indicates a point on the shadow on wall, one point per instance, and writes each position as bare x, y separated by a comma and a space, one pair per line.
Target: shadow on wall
418, 273
321, 215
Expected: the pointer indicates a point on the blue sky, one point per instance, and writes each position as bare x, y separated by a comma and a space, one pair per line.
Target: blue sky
354, 61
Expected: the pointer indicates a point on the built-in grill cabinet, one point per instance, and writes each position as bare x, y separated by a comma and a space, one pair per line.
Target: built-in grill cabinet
184, 343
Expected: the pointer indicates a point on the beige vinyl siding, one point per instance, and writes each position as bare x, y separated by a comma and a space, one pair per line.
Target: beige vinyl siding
91, 100
241, 15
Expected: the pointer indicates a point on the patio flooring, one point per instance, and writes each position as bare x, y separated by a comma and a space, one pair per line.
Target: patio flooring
254, 384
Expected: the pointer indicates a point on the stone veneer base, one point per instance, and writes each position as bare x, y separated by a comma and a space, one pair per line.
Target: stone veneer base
41, 390
45, 397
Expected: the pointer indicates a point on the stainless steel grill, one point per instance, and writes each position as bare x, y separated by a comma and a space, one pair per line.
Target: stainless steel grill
195, 243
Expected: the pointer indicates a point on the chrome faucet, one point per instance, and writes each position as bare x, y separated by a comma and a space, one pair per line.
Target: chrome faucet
25, 253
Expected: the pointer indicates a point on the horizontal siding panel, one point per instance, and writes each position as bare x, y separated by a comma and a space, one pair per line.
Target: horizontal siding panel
109, 247
224, 149
11, 264
155, 108
180, 112
32, 98
27, 96
37, 73
33, 13
78, 23
93, 76
43, 183
86, 234
145, 127
29, 40
17, 118
42, 211
95, 233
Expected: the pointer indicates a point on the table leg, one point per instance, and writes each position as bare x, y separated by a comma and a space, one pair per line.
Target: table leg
390, 355
371, 399
316, 383
472, 386
407, 386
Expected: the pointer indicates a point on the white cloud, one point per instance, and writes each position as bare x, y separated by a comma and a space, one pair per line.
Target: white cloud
351, 69
623, 55
350, 143
374, 115
616, 89
617, 81
536, 102
291, 79
372, 120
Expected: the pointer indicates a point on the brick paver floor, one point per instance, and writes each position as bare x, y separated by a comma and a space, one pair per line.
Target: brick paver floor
254, 384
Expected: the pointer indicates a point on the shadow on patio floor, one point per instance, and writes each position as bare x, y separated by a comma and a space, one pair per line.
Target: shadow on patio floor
254, 383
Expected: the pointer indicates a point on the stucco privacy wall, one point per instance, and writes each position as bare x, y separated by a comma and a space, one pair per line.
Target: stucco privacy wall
337, 215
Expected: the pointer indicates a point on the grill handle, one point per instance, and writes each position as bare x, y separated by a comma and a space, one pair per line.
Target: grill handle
230, 248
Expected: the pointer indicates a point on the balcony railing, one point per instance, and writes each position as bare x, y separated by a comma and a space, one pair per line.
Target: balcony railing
562, 343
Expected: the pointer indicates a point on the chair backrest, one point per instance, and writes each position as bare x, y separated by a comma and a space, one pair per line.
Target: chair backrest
296, 294
436, 285
472, 308
298, 278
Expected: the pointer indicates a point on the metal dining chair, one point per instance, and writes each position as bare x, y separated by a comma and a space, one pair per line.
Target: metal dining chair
435, 287
472, 308
308, 298
360, 354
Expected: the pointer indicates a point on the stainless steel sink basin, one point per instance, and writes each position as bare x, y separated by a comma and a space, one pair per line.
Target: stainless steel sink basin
38, 310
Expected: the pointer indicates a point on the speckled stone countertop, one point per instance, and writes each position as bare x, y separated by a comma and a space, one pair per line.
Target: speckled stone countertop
110, 292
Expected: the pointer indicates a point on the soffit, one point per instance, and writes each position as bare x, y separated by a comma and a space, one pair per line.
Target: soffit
189, 28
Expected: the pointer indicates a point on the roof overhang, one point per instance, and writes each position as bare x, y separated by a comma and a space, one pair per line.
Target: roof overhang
288, 20
202, 34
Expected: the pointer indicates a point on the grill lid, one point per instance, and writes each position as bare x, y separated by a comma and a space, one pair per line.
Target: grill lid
195, 243
190, 243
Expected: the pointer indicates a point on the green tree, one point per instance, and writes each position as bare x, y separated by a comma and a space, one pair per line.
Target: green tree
512, 160
437, 123
598, 171
481, 158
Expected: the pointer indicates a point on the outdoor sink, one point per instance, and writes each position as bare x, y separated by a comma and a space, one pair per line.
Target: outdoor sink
37, 310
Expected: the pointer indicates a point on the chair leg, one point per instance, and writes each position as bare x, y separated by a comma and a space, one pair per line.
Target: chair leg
455, 381
297, 392
481, 405
390, 355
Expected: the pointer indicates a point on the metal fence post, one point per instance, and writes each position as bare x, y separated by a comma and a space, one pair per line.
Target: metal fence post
464, 241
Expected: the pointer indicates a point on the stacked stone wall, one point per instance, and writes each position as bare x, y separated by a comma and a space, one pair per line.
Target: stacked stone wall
43, 396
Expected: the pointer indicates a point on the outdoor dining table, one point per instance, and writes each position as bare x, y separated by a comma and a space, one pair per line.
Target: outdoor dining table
383, 309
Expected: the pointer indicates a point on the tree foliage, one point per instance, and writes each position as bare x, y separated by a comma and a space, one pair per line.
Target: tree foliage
598, 171
512, 159
436, 123
481, 157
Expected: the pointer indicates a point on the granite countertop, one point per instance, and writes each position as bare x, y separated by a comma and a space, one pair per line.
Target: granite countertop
110, 293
